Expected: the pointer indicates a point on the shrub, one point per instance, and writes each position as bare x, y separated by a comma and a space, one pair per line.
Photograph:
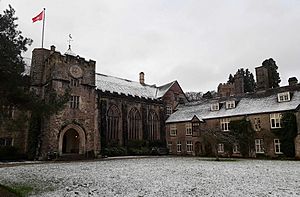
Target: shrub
10, 153
114, 151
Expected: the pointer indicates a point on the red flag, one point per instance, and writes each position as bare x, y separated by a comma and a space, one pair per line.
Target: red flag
39, 17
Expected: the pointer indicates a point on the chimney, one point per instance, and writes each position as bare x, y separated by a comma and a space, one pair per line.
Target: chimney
293, 81
142, 79
52, 48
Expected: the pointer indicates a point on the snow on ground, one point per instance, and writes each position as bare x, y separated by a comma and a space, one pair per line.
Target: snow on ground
159, 176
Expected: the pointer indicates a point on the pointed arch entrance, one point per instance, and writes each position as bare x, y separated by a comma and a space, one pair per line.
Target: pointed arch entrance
72, 140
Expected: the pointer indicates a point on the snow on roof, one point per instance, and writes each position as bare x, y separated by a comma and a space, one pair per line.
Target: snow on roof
164, 88
245, 106
128, 87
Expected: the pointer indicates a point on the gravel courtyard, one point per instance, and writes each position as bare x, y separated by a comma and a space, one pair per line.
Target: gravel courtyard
158, 176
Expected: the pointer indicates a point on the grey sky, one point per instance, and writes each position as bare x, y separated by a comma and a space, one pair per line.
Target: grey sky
195, 42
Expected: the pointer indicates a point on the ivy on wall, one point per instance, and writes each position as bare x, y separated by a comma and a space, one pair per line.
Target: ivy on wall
287, 133
244, 133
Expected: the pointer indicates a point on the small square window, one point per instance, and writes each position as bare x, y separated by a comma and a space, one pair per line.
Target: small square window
214, 107
284, 96
230, 104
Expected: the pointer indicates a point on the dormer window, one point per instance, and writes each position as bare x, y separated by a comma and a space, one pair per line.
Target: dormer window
230, 104
214, 107
284, 96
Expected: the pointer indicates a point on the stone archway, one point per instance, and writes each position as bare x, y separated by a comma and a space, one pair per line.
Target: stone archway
71, 140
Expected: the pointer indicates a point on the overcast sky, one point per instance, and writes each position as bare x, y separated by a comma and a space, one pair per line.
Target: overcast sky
196, 42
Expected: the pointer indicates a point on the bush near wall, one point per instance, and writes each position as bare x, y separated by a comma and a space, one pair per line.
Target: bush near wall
10, 153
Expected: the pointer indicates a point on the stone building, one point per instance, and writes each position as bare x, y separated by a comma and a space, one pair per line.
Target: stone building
74, 129
263, 109
102, 109
232, 89
131, 110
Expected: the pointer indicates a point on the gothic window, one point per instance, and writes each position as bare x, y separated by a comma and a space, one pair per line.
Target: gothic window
74, 102
134, 125
74, 82
153, 126
113, 119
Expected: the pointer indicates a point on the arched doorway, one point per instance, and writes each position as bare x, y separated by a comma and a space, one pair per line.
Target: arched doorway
71, 142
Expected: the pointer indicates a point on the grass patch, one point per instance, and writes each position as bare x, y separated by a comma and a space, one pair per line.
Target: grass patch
18, 190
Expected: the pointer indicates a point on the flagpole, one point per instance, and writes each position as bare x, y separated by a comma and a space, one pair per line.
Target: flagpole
43, 27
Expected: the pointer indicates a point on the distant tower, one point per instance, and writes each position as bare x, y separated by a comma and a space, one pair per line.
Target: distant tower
225, 89
262, 78
238, 84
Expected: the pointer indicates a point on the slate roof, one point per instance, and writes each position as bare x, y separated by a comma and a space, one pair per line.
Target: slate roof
128, 87
247, 105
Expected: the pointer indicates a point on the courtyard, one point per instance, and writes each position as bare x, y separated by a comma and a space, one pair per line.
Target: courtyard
157, 176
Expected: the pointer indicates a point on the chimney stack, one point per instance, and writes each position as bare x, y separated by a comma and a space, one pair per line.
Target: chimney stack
142, 79
293, 81
52, 48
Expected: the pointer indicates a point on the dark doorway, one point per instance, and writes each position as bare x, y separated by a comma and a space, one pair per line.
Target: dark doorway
71, 142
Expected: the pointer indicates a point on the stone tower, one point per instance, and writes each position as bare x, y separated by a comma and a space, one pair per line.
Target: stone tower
72, 130
238, 84
262, 78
